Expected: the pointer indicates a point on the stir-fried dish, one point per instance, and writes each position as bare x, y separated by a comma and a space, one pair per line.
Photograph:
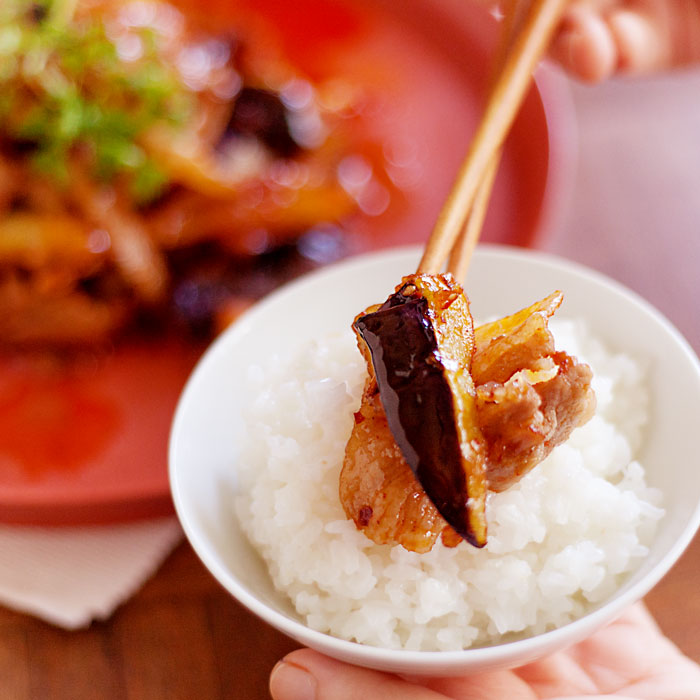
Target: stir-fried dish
152, 173
450, 412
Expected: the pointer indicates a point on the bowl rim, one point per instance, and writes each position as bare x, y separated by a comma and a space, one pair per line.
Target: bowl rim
422, 662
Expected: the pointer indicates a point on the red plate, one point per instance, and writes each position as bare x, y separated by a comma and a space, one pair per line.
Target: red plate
90, 446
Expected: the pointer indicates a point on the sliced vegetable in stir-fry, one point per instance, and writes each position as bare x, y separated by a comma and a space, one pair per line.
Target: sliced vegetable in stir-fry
449, 413
180, 172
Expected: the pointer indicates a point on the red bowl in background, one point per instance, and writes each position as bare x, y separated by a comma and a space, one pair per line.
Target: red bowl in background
90, 445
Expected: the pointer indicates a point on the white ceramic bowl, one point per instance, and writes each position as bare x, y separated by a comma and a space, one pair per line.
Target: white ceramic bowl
207, 426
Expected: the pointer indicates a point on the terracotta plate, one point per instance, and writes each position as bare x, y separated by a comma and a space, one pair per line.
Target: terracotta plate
91, 446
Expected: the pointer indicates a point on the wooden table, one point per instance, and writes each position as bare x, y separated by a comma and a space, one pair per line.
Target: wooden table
634, 214
183, 638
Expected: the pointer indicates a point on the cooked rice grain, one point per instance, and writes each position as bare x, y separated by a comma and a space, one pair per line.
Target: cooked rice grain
560, 541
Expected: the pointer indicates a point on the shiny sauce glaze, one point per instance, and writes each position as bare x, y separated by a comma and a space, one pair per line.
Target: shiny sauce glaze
421, 344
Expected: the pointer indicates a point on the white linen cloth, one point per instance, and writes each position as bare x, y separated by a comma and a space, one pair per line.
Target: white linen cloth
70, 576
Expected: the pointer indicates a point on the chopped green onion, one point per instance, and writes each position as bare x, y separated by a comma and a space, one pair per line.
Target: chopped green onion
62, 85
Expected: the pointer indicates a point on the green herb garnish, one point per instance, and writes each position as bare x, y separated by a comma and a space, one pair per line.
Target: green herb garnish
64, 86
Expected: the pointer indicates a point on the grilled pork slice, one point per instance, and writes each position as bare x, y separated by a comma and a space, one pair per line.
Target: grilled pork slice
527, 398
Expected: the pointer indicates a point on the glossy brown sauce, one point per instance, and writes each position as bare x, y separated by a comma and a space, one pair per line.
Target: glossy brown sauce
424, 389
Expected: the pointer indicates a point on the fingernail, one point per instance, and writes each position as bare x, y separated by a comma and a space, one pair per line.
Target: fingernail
291, 682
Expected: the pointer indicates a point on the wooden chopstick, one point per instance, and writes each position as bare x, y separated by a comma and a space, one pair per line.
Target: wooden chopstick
460, 256
504, 102
461, 253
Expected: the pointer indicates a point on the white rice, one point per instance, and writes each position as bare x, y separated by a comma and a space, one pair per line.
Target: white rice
559, 541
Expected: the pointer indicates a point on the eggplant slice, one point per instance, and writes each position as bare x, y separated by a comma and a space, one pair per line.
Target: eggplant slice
421, 343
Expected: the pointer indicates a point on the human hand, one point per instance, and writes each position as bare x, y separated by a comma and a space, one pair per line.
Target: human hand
601, 38
628, 660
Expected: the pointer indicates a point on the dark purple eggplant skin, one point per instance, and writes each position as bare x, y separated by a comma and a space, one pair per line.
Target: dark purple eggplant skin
261, 113
418, 401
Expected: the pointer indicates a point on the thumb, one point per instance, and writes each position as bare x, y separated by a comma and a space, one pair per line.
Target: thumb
307, 675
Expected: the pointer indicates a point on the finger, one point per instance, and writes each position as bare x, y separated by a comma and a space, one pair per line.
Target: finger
495, 685
615, 648
585, 45
308, 675
642, 44
638, 615
547, 674
616, 696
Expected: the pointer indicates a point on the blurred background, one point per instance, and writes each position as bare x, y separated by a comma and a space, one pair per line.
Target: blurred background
610, 179
634, 210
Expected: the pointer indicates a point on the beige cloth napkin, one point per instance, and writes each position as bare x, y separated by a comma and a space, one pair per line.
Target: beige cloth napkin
71, 576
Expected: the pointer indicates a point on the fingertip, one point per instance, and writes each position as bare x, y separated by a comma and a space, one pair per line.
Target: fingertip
638, 615
331, 679
639, 44
585, 46
291, 681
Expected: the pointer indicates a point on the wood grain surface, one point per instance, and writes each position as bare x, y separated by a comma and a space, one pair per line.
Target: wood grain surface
182, 637
633, 213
